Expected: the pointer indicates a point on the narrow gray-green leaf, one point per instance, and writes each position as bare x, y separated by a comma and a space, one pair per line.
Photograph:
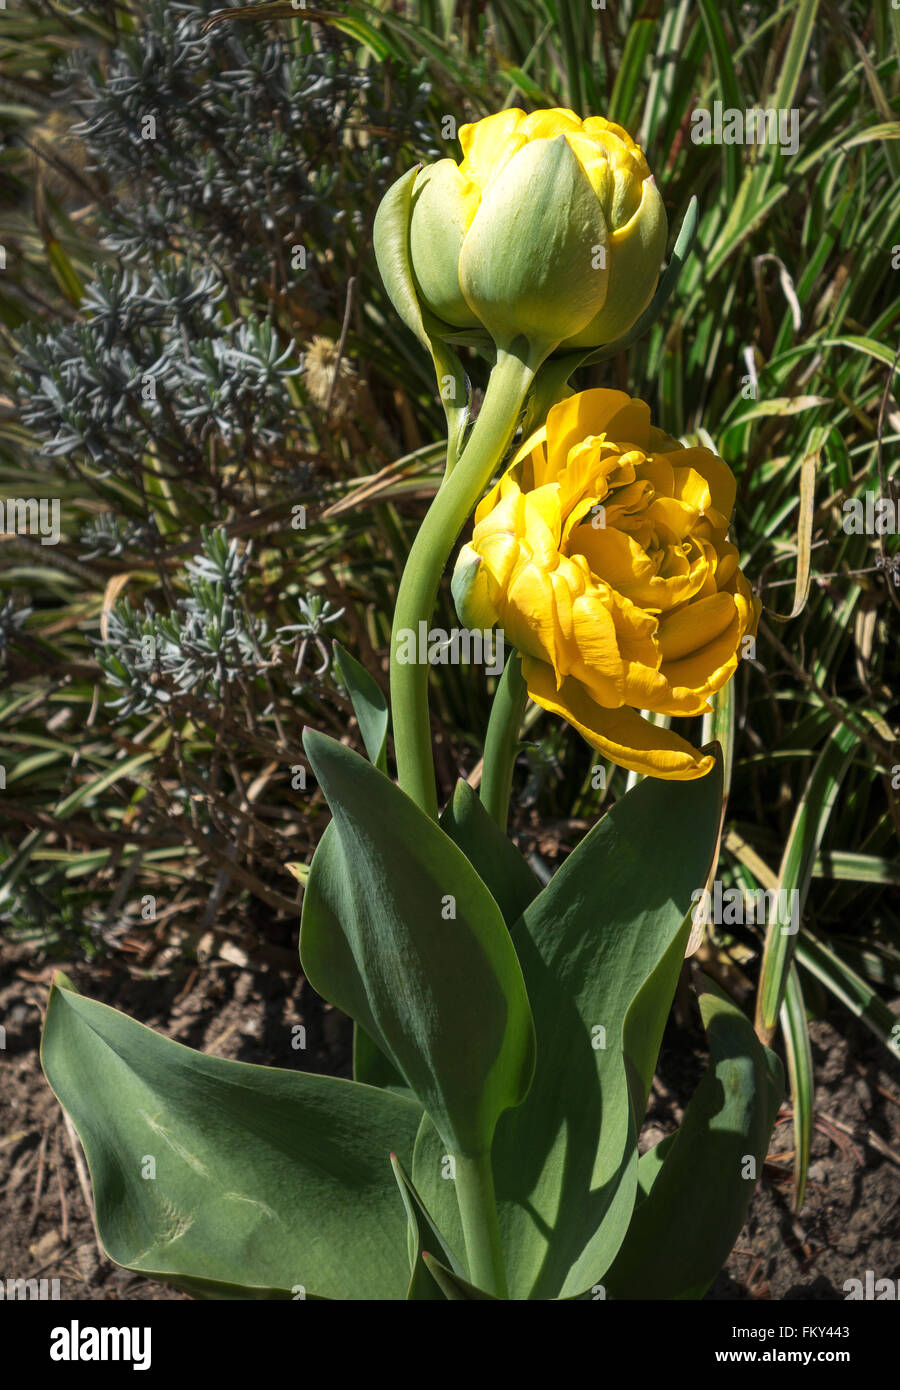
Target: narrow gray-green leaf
798, 1054
789, 901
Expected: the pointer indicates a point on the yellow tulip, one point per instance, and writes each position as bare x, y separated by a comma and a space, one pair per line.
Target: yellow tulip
603, 554
551, 227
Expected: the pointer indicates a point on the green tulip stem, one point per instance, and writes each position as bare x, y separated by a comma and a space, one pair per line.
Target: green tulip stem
507, 388
481, 1229
502, 742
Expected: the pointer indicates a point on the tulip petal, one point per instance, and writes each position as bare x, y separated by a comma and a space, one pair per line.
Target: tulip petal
543, 125
488, 145
693, 627
601, 411
721, 480
620, 734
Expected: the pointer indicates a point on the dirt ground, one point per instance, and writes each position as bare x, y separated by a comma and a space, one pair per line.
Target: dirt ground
241, 1001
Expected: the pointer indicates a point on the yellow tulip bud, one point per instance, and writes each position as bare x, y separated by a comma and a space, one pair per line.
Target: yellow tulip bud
551, 228
603, 554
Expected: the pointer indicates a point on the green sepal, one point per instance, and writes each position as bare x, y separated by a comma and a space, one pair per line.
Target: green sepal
390, 238
461, 581
550, 384
665, 289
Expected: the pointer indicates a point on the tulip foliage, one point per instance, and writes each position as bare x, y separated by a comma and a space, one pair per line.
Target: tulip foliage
506, 1031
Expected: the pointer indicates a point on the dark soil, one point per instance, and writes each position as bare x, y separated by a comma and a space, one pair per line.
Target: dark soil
242, 1000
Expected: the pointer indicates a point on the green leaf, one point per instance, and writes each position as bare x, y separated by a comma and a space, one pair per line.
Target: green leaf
453, 1286
631, 73
850, 988
265, 1179
795, 874
422, 1284
369, 705
364, 34
370, 1066
697, 1197
728, 89
790, 69
399, 931
494, 858
601, 948
798, 1054
65, 272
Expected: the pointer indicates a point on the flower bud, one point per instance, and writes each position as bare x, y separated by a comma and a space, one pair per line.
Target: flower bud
551, 228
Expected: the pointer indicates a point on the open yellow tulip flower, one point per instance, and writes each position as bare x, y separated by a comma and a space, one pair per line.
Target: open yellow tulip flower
551, 228
603, 553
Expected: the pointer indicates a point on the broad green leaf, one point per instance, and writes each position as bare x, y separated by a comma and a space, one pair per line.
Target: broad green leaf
600, 949
399, 931
492, 855
265, 1180
369, 705
697, 1198
323, 942
370, 1066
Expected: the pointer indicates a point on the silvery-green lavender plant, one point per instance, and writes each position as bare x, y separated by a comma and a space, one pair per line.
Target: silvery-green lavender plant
173, 396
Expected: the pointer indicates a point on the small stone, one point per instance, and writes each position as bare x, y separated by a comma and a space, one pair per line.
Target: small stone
42, 1249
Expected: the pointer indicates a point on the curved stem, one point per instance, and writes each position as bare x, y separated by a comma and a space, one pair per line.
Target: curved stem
502, 742
417, 594
481, 1229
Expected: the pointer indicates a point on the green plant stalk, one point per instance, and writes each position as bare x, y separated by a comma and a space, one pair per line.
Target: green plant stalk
481, 1229
502, 742
507, 388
